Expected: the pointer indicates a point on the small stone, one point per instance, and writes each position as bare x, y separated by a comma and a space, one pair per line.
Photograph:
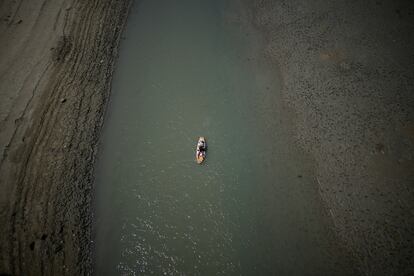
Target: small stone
62, 100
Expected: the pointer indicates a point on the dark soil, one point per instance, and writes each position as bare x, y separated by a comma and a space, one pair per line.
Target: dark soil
56, 66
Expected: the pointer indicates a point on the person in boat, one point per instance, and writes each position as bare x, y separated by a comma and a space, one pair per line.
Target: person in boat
202, 147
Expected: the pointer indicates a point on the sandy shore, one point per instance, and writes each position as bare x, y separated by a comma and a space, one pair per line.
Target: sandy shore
56, 63
347, 73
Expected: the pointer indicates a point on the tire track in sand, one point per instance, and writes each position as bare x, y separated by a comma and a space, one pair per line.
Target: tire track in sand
46, 175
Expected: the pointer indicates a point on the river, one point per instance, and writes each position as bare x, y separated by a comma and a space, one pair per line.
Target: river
193, 68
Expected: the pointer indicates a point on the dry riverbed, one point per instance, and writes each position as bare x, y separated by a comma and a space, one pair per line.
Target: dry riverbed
347, 73
56, 63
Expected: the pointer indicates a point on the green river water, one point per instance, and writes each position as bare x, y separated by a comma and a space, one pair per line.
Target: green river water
186, 69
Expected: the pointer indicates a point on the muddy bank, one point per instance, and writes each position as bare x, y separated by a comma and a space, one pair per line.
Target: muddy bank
348, 74
56, 63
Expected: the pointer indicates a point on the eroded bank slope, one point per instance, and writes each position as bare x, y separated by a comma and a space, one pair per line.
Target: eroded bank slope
56, 63
348, 73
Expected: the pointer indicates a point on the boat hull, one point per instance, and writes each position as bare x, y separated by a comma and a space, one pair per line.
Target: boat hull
200, 157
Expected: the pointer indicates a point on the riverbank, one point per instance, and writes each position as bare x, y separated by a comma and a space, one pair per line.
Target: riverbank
56, 64
347, 74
